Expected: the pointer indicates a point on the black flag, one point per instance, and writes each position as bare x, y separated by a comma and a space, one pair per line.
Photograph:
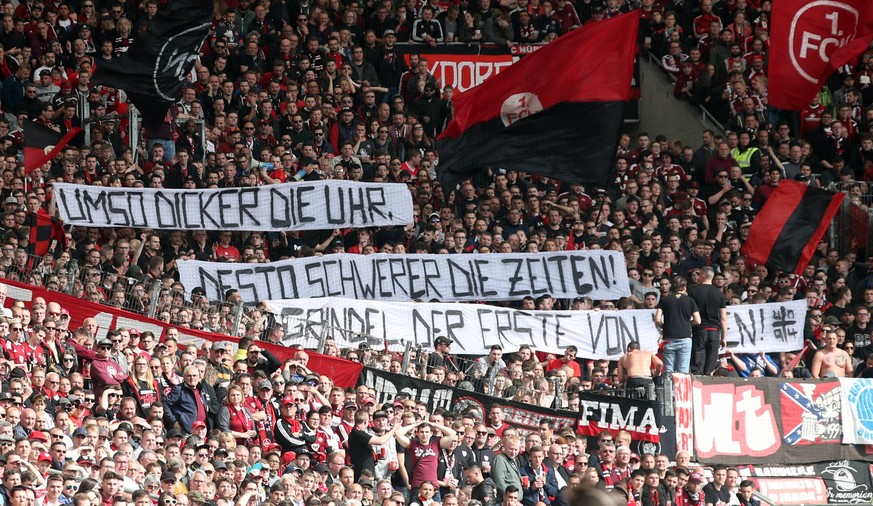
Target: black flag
157, 64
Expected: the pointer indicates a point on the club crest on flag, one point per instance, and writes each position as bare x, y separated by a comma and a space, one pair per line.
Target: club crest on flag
519, 106
175, 60
811, 47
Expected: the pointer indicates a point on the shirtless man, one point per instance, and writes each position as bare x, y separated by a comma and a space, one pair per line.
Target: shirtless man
635, 369
831, 361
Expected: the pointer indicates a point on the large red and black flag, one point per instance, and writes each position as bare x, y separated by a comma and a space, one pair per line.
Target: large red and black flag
809, 41
43, 230
556, 112
41, 144
156, 67
786, 232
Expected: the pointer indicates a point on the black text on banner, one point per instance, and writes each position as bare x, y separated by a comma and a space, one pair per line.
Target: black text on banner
473, 327
388, 385
290, 206
597, 274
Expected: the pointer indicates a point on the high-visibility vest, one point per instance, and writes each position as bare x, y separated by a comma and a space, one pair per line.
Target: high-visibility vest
744, 159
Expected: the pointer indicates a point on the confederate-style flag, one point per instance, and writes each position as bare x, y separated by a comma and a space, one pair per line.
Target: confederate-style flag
43, 230
809, 41
556, 112
785, 233
41, 144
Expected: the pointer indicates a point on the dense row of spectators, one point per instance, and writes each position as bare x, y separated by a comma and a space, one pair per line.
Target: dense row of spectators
295, 90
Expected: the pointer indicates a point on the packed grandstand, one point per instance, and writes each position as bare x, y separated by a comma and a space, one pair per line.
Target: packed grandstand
291, 339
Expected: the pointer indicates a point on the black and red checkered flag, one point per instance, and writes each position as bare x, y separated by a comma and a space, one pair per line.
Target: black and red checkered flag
43, 230
41, 144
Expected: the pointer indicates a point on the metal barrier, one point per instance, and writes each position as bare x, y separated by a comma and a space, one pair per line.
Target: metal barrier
141, 295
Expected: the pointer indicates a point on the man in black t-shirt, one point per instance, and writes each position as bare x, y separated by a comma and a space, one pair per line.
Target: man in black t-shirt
361, 441
675, 314
717, 492
711, 334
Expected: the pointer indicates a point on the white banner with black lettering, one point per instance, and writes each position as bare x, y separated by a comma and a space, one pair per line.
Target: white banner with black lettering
290, 206
473, 327
597, 274
772, 327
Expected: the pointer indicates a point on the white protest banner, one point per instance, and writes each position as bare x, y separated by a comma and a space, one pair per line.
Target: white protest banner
473, 327
771, 327
857, 412
307, 205
597, 274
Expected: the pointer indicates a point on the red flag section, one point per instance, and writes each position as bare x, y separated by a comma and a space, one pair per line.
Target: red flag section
558, 112
809, 40
590, 64
41, 144
785, 233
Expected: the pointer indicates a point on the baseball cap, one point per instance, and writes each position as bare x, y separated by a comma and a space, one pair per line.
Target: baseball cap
389, 32
441, 340
832, 320
38, 436
44, 457
695, 477
265, 385
197, 424
350, 404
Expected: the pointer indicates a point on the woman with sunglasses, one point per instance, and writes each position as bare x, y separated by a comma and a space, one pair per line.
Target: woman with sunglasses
167, 499
141, 385
68, 365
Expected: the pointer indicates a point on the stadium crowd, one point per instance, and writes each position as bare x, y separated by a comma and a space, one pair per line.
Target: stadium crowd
292, 90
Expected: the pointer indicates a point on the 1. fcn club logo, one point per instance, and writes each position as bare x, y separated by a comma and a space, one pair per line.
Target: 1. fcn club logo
818, 29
